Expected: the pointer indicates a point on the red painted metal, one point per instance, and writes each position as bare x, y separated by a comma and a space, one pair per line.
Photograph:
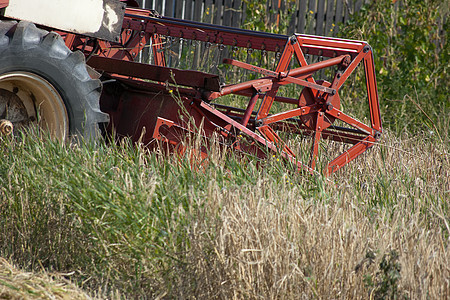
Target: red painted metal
350, 154
160, 111
281, 76
156, 73
297, 112
70, 40
4, 3
249, 110
316, 140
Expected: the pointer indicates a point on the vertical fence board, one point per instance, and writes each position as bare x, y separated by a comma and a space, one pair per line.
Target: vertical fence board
311, 17
159, 7
244, 12
358, 5
169, 10
145, 3
237, 13
302, 16
282, 12
208, 11
339, 16
294, 16
218, 12
227, 12
179, 4
268, 7
198, 11
188, 7
346, 11
329, 23
320, 17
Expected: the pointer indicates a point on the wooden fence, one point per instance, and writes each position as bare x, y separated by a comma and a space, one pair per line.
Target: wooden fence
319, 17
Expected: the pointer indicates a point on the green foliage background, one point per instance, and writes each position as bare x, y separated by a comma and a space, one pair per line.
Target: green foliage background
410, 44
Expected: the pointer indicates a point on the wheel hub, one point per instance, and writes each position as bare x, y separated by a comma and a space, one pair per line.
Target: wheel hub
310, 97
27, 98
12, 109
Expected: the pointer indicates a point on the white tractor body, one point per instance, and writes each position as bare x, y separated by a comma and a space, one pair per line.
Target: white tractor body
97, 18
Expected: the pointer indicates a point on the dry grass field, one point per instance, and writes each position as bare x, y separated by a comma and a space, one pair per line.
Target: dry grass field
122, 222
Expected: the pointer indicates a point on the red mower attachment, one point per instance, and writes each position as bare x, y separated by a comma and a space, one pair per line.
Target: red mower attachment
147, 101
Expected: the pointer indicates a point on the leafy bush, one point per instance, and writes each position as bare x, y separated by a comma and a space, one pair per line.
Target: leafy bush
410, 44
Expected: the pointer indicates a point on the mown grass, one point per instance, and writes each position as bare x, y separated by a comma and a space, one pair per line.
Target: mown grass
18, 284
126, 222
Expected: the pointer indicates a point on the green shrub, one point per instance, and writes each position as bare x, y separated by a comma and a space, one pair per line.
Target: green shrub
410, 44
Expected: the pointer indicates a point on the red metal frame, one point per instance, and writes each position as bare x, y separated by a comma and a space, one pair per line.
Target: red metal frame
4, 3
144, 109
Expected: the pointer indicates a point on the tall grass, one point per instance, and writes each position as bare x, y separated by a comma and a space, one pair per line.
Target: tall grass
120, 222
124, 221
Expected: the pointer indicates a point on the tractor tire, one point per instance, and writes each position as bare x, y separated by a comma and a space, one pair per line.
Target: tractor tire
42, 82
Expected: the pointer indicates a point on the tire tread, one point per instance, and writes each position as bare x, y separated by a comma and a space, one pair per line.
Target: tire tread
67, 72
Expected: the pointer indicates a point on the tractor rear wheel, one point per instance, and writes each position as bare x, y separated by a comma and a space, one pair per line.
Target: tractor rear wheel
42, 82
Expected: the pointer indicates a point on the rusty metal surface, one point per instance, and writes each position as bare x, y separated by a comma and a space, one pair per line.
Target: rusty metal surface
203, 32
142, 20
156, 73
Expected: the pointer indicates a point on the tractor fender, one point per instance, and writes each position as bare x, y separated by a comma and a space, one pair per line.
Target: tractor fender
96, 18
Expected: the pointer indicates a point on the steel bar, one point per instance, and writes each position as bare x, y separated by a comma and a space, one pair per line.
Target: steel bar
157, 73
350, 154
285, 152
304, 110
222, 35
316, 139
301, 71
283, 65
235, 88
204, 32
250, 107
372, 92
281, 76
271, 135
351, 121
